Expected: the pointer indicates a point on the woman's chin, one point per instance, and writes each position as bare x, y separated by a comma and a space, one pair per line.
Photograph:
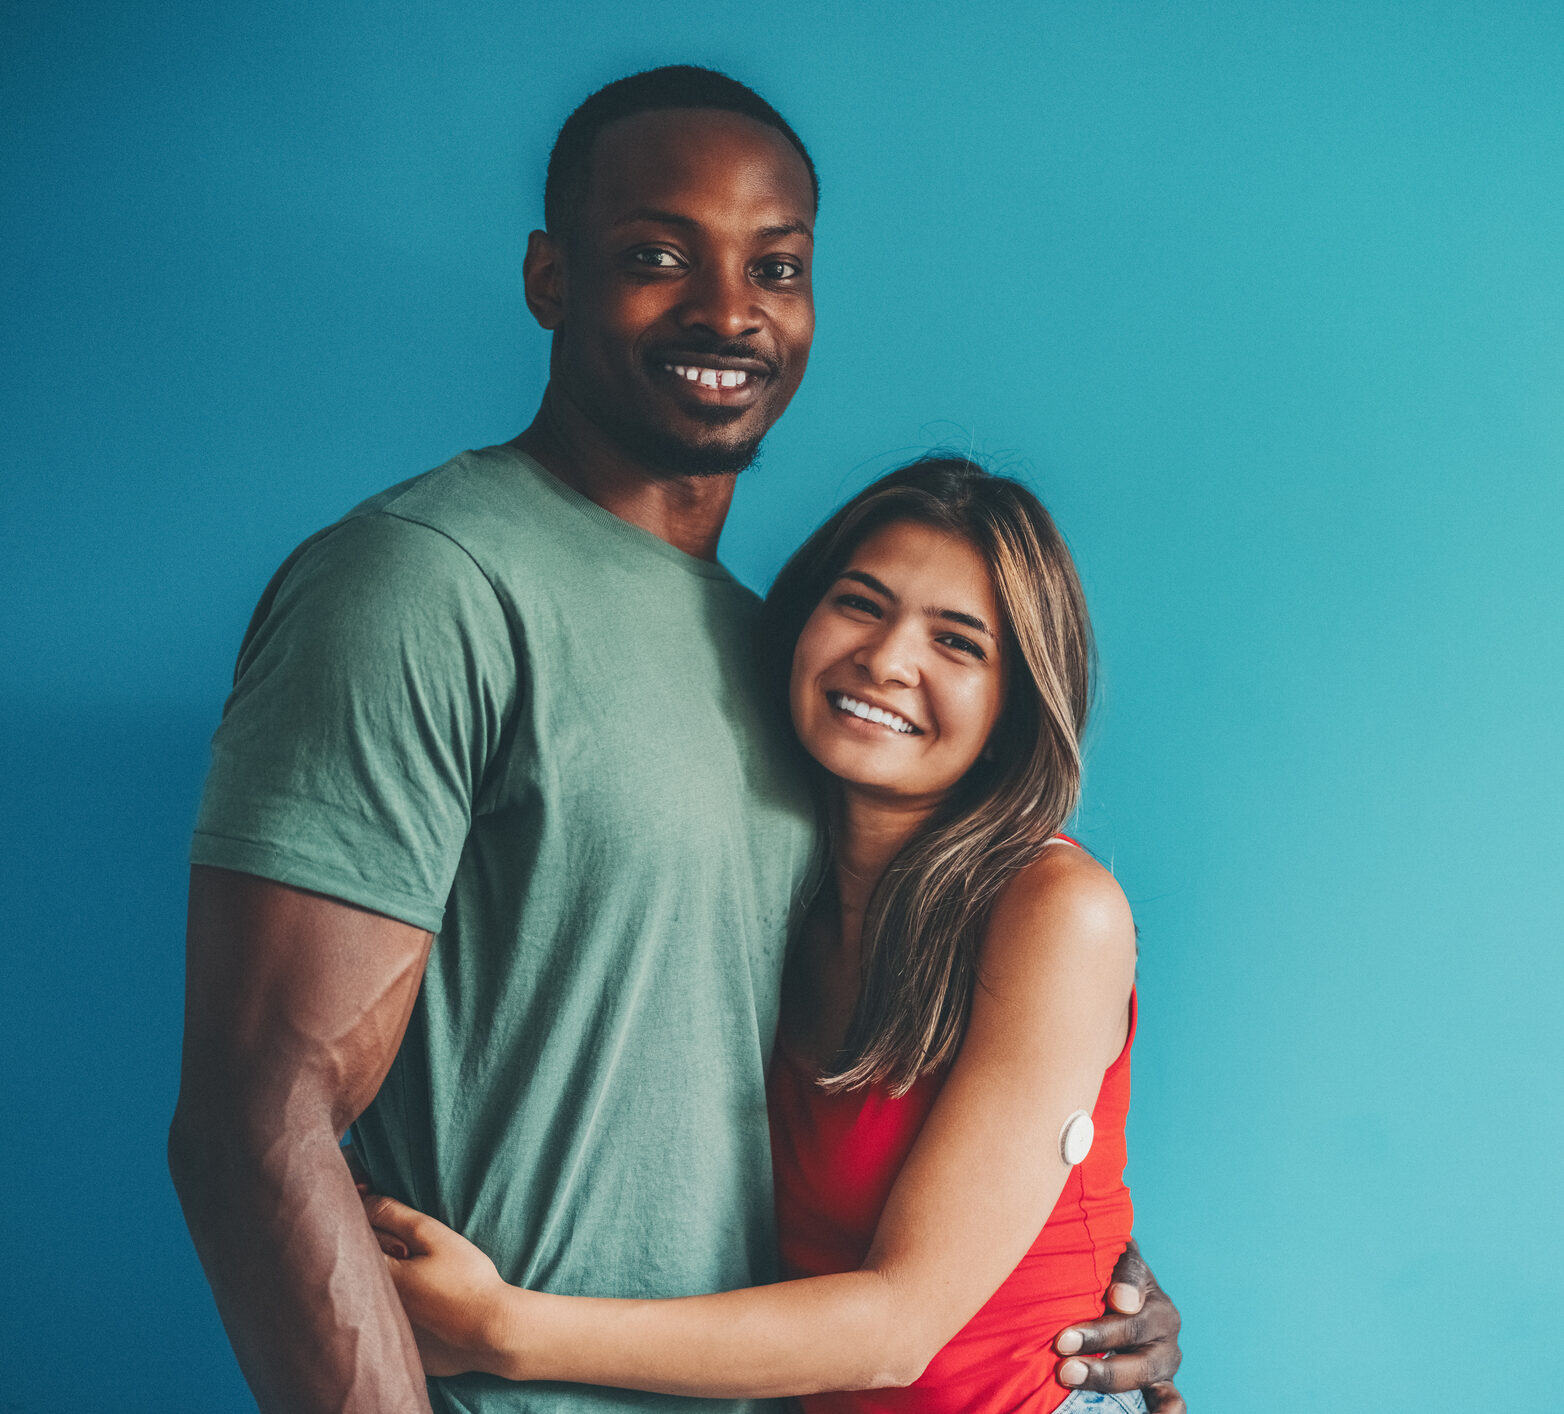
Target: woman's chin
853, 763
885, 785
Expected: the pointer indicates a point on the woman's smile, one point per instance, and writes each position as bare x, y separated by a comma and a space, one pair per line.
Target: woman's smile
861, 710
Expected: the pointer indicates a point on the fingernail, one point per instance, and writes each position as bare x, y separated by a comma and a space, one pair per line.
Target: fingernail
1072, 1372
1069, 1341
1125, 1297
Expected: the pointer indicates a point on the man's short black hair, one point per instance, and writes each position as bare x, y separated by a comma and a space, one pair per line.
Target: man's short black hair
674, 86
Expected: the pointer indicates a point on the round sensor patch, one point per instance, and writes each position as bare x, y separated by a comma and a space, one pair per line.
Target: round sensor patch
1075, 1139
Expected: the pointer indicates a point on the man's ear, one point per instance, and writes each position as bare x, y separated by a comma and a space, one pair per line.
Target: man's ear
543, 279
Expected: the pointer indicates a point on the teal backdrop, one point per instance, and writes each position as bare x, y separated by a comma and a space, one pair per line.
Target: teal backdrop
1267, 300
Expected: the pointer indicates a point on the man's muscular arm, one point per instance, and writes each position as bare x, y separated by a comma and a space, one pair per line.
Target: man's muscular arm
294, 1007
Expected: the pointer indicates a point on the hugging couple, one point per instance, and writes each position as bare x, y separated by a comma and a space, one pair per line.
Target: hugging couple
717, 1009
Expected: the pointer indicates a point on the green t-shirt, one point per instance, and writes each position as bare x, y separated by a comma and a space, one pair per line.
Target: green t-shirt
488, 707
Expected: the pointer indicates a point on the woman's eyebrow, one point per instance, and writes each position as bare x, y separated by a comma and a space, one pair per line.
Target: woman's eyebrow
864, 577
954, 615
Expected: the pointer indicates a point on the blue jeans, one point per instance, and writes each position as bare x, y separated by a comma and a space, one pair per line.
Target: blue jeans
1084, 1400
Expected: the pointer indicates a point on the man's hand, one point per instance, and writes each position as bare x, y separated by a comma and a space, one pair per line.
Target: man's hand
1138, 1337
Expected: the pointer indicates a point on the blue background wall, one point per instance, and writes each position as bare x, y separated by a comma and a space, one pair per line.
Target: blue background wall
1266, 299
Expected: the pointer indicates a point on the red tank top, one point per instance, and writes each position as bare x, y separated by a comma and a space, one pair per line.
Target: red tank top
836, 1158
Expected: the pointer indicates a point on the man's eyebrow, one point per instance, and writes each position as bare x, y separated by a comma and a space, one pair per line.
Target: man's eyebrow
659, 217
956, 616
662, 218
787, 228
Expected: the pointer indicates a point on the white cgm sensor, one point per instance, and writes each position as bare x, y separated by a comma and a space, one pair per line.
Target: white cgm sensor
1075, 1138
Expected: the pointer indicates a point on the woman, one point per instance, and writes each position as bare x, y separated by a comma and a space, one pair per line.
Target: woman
959, 995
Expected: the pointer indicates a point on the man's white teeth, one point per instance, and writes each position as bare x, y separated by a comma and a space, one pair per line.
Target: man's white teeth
710, 377
843, 703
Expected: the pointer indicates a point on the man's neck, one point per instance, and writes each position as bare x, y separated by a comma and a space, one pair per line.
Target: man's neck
686, 511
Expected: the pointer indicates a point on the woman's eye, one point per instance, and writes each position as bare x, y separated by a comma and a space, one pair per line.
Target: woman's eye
859, 603
963, 645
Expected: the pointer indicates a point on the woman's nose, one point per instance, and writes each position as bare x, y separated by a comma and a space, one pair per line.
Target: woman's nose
890, 657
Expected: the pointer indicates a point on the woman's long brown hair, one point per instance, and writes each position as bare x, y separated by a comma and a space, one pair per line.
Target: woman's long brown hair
927, 914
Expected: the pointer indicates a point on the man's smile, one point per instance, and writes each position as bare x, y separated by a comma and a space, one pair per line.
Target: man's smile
713, 380
709, 377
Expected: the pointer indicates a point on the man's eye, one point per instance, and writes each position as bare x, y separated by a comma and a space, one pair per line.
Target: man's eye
779, 269
656, 258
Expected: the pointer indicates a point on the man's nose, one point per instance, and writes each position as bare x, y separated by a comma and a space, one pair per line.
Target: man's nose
720, 297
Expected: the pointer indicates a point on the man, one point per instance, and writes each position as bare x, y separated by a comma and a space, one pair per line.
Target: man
493, 775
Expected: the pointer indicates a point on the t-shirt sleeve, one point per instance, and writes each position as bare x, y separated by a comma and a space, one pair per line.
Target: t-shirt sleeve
373, 686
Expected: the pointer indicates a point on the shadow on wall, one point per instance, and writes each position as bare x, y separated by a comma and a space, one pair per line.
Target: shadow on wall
104, 1294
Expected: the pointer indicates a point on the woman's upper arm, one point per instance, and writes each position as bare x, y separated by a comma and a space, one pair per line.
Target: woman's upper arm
1048, 1018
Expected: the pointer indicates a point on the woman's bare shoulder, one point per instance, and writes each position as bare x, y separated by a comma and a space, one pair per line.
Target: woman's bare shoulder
1064, 899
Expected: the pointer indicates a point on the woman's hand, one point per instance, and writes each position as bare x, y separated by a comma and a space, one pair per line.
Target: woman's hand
454, 1297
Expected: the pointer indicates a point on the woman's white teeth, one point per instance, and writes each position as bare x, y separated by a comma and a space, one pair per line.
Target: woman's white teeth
710, 377
843, 703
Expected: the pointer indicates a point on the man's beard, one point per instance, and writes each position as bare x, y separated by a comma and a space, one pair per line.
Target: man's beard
665, 452
660, 451
670, 456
